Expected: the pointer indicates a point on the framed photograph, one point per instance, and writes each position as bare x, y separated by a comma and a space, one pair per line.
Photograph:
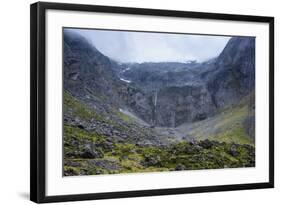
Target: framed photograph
129, 102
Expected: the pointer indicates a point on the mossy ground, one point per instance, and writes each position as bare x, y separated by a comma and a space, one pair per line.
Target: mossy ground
78, 109
127, 157
225, 126
234, 135
228, 149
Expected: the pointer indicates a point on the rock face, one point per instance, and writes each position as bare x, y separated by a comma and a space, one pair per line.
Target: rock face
85, 68
234, 76
194, 91
161, 94
176, 105
87, 73
91, 77
152, 76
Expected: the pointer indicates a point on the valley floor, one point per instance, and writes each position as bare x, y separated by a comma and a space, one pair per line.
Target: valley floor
94, 144
96, 154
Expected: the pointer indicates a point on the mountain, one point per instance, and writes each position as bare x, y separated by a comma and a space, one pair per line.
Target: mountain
139, 117
91, 77
151, 76
86, 70
233, 76
188, 92
164, 94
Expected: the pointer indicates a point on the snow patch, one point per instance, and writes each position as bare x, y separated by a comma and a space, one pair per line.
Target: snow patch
126, 69
127, 81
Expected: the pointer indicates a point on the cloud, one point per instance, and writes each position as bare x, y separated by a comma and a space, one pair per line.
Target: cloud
140, 47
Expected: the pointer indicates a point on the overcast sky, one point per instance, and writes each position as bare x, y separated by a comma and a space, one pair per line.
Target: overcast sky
140, 47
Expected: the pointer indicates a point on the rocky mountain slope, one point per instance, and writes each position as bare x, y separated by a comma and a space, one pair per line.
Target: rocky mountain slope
150, 108
233, 75
90, 77
195, 91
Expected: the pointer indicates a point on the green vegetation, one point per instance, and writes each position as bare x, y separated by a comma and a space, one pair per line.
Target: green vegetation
78, 109
226, 126
235, 135
87, 153
123, 117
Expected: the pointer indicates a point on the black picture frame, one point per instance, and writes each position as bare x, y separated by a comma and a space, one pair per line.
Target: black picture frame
38, 101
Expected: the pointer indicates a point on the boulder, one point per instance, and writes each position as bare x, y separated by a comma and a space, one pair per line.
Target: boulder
206, 144
90, 150
233, 150
180, 167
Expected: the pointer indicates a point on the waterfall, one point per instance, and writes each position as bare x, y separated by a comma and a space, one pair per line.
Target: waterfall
154, 109
155, 99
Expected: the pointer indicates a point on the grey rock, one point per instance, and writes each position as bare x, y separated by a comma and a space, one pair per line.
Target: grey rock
234, 72
206, 144
90, 150
151, 161
233, 151
108, 165
180, 167
72, 163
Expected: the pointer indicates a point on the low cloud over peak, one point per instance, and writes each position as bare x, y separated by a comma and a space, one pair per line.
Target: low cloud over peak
141, 47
